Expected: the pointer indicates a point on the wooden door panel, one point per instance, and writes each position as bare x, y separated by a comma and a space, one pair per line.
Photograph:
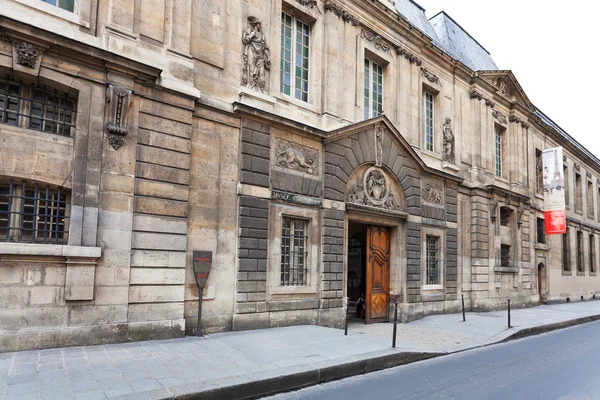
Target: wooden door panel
378, 273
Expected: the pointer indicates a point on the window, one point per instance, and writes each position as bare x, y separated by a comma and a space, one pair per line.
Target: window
504, 255
592, 242
428, 118
565, 251
36, 107
432, 260
294, 57
578, 193
294, 252
499, 134
580, 251
590, 198
539, 172
373, 89
504, 216
68, 5
566, 179
33, 213
541, 232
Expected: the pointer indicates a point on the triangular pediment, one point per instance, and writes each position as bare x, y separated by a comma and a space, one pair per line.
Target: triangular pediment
392, 143
507, 86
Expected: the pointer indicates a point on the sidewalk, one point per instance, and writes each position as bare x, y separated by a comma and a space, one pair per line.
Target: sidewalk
252, 363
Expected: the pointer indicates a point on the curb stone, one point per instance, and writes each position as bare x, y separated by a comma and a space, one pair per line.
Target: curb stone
314, 374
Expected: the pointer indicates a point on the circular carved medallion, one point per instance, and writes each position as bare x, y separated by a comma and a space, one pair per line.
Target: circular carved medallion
375, 185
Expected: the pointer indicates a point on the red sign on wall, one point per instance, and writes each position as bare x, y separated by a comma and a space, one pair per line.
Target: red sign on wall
556, 222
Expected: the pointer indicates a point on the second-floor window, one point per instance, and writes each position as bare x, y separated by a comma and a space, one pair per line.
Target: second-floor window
428, 118
541, 232
432, 260
36, 107
499, 142
373, 95
578, 192
33, 213
68, 5
539, 172
295, 36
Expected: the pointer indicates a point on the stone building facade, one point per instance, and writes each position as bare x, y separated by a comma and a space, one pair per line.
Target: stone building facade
321, 150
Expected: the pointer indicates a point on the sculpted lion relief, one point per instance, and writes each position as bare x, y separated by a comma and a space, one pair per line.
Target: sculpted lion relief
296, 157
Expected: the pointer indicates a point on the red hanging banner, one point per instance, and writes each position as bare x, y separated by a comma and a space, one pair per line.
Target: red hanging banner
554, 192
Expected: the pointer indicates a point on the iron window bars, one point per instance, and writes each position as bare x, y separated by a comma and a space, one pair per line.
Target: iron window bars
294, 252
33, 213
433, 271
504, 255
36, 107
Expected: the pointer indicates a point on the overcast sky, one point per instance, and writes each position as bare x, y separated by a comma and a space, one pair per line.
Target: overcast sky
550, 46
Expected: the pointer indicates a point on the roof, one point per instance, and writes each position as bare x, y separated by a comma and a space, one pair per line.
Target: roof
459, 44
545, 119
415, 15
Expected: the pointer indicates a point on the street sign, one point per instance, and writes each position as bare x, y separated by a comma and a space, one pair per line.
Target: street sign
201, 262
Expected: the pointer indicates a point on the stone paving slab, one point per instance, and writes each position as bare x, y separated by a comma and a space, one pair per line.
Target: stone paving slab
240, 364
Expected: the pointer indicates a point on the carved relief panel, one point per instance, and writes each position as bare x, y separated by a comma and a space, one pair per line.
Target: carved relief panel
292, 156
371, 186
432, 193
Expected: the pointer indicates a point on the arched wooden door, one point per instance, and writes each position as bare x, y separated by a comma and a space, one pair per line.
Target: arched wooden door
378, 274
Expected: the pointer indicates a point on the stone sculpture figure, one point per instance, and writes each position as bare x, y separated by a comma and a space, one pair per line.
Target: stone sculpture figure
27, 55
257, 59
448, 142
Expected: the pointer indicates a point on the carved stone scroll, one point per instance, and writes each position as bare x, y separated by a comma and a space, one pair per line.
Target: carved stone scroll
296, 157
499, 116
489, 103
329, 5
431, 77
309, 3
476, 95
493, 209
27, 54
256, 58
377, 41
577, 167
432, 193
588, 174
412, 58
118, 100
520, 211
448, 155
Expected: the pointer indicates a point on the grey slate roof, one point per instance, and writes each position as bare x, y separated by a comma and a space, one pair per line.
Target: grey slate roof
545, 119
415, 14
460, 44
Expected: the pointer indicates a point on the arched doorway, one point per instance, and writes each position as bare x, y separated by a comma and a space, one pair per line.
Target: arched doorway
541, 278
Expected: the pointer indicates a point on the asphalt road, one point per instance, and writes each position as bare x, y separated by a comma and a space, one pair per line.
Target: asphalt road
563, 364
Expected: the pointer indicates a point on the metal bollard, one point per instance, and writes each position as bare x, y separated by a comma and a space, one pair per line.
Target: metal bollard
395, 323
462, 298
508, 313
346, 321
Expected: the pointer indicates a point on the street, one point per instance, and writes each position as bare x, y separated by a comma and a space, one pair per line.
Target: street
561, 364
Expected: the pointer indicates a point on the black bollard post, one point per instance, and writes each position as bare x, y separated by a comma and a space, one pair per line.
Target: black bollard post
346, 321
199, 330
508, 313
395, 323
462, 298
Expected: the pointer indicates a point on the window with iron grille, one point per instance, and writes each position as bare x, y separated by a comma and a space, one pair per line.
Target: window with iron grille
373, 91
432, 260
499, 150
541, 231
580, 251
592, 242
33, 213
293, 77
539, 172
565, 252
428, 118
36, 107
504, 216
578, 192
294, 252
504, 255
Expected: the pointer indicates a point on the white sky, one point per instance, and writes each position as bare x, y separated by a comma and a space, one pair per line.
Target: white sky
550, 46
